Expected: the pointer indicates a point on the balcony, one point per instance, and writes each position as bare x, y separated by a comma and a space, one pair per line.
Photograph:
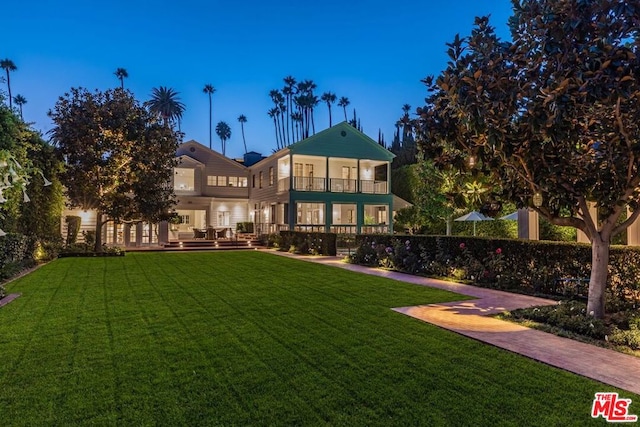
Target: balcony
339, 185
307, 183
374, 187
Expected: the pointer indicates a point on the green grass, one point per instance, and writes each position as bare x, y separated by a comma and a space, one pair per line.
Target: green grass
248, 338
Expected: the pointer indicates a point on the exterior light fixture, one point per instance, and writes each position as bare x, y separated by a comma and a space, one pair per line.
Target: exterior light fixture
472, 160
537, 199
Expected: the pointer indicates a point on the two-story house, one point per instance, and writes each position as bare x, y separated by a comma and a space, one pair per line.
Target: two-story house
335, 181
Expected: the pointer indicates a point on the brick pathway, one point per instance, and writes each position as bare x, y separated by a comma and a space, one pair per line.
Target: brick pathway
469, 318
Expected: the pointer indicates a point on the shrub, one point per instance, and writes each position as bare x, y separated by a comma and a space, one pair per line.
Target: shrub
309, 243
629, 338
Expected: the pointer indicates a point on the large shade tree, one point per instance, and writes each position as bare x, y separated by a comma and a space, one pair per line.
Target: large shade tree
118, 157
553, 113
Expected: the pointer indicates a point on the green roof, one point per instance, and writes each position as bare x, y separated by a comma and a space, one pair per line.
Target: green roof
342, 140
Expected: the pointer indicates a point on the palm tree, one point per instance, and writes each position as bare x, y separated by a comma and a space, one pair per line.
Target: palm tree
209, 90
166, 104
8, 66
273, 113
289, 91
329, 98
344, 102
121, 74
243, 119
20, 101
224, 132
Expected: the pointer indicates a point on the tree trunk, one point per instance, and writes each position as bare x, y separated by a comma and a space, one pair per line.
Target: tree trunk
98, 244
449, 224
598, 279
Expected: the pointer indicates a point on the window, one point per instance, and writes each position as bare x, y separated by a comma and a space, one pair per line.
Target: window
271, 176
344, 213
233, 181
242, 181
222, 181
211, 180
297, 169
253, 181
376, 214
260, 179
224, 218
310, 213
183, 179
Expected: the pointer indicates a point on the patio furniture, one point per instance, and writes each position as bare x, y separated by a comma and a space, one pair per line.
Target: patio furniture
199, 234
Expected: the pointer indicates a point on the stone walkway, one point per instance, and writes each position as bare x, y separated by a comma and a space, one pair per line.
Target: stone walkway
470, 318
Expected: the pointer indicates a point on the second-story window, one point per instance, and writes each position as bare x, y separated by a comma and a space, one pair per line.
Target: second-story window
222, 181
183, 179
253, 181
260, 179
271, 176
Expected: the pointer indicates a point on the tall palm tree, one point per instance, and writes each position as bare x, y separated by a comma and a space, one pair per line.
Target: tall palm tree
243, 119
329, 98
273, 113
121, 74
344, 102
209, 90
224, 133
20, 101
165, 102
289, 91
8, 66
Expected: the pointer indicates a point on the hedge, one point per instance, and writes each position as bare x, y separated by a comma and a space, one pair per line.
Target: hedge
16, 252
304, 243
523, 265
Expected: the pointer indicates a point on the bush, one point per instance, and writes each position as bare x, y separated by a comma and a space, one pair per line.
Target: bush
244, 227
522, 265
308, 243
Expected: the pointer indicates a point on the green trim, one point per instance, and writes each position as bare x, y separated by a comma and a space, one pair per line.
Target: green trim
342, 140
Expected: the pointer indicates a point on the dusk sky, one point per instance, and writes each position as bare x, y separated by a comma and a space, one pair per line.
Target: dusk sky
373, 52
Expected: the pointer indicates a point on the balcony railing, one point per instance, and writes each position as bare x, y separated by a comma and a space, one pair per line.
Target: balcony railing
339, 185
307, 183
373, 187
334, 185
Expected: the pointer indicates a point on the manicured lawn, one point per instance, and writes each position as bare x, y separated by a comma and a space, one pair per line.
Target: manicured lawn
248, 338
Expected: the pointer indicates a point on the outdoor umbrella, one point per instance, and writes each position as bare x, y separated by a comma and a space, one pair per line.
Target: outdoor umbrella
475, 217
511, 217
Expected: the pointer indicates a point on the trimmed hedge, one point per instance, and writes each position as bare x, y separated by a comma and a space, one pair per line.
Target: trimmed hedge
522, 265
304, 243
16, 253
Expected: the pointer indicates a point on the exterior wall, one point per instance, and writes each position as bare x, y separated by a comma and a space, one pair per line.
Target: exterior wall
87, 222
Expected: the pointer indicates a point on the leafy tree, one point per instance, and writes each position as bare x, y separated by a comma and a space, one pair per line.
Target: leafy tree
118, 157
553, 113
224, 133
165, 103
20, 101
243, 119
121, 74
210, 90
329, 98
23, 150
8, 66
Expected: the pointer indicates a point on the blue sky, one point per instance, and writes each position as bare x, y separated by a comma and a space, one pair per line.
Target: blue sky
373, 52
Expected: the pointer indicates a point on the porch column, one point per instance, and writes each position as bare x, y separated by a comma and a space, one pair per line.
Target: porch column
633, 232
127, 234
528, 224
163, 232
139, 234
593, 211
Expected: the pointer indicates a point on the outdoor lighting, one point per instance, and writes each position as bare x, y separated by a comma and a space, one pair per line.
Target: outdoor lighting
472, 161
537, 199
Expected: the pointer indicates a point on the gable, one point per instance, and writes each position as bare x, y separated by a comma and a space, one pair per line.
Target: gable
210, 158
342, 140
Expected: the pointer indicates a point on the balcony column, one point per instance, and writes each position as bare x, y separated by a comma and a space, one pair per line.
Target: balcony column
358, 190
327, 183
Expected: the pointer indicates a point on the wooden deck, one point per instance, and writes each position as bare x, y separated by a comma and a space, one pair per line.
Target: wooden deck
202, 245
